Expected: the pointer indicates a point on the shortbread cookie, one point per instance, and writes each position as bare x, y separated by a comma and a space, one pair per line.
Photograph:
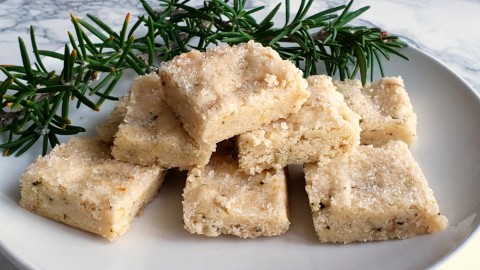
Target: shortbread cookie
226, 91
80, 184
220, 199
385, 110
372, 194
323, 128
151, 134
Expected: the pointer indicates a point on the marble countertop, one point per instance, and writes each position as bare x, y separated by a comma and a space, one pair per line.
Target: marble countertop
445, 30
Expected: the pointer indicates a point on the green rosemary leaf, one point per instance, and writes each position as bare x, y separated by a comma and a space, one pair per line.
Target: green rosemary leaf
52, 113
125, 52
45, 103
66, 103
135, 26
79, 75
52, 138
123, 32
296, 28
109, 88
388, 49
27, 145
227, 7
55, 55
380, 49
350, 16
379, 63
82, 88
38, 112
106, 97
35, 50
102, 83
17, 102
75, 47
300, 10
26, 61
90, 46
326, 14
13, 129
81, 43
361, 63
23, 139
84, 100
101, 68
19, 125
134, 66
298, 39
105, 59
303, 11
20, 70
150, 34
149, 10
235, 40
44, 146
102, 25
344, 13
69, 130
287, 12
66, 64
58, 124
92, 30
55, 88
257, 9
370, 63
5, 128
151, 51
279, 36
5, 85
72, 59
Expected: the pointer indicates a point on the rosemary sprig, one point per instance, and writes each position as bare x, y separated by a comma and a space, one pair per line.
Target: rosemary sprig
36, 100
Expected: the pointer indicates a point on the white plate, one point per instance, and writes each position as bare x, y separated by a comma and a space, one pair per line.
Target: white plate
448, 131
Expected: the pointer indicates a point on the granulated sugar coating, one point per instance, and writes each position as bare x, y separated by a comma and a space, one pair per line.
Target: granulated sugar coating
371, 194
226, 91
384, 107
323, 128
79, 184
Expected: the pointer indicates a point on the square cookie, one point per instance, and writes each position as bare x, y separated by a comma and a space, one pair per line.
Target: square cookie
79, 184
384, 108
323, 128
220, 199
151, 133
228, 90
372, 194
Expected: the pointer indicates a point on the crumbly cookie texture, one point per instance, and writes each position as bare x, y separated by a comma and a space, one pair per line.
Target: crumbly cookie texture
371, 194
106, 132
80, 184
230, 90
152, 134
323, 128
384, 107
220, 199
